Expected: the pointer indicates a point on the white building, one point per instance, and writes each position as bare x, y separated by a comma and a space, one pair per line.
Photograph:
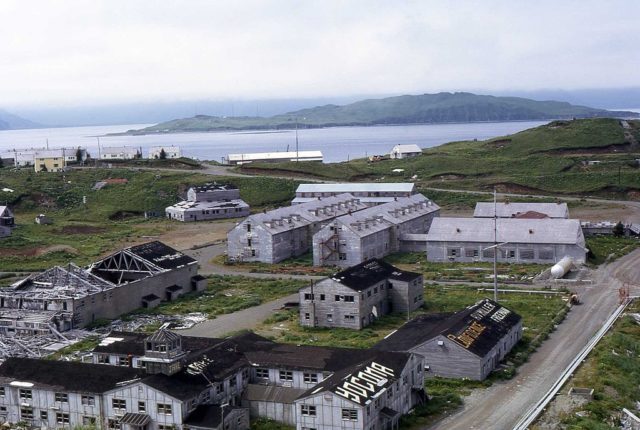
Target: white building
543, 241
405, 151
273, 157
169, 151
521, 210
118, 153
369, 193
207, 202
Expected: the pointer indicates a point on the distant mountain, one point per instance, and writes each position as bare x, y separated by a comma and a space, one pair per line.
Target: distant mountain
13, 122
408, 109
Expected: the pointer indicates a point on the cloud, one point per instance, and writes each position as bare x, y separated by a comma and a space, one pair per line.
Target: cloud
79, 52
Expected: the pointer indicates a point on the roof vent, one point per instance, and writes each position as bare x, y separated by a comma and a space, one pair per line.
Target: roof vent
457, 230
530, 231
440, 343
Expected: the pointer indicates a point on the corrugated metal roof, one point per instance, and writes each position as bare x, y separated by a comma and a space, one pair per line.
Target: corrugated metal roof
509, 210
274, 155
512, 230
357, 187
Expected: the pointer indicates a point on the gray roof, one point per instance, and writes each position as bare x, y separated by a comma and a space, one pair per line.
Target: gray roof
272, 393
377, 218
512, 230
6, 209
188, 206
292, 217
257, 156
407, 148
509, 210
405, 187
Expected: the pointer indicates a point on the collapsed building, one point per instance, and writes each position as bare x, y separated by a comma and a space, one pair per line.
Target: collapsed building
356, 297
400, 225
7, 221
276, 235
466, 344
207, 202
68, 297
166, 381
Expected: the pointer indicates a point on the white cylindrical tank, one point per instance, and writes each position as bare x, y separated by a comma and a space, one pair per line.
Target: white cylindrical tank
561, 267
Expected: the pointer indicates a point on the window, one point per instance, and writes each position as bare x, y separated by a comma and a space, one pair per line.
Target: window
249, 243
142, 406
62, 418
62, 397
322, 296
123, 361
262, 373
453, 252
389, 392
167, 427
286, 375
25, 394
248, 227
349, 318
88, 400
545, 254
119, 403
164, 408
310, 378
308, 296
350, 414
342, 256
337, 298
26, 413
44, 415
330, 317
349, 299
368, 293
113, 424
527, 254
88, 421
470, 253
308, 410
488, 253
375, 290
307, 316
1, 391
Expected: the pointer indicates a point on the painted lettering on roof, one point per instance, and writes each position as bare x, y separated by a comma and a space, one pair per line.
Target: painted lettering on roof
365, 384
469, 335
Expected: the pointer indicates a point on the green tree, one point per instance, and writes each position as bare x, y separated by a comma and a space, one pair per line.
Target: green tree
618, 230
163, 155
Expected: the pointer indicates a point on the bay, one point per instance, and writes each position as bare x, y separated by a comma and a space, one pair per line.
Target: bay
337, 143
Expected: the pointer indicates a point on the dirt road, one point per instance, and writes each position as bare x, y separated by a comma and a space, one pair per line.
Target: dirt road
500, 406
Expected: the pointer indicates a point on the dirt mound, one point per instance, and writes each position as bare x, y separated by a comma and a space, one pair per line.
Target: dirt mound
38, 251
121, 215
82, 229
508, 187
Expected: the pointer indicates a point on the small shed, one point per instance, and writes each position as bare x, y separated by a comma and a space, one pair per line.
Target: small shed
42, 219
405, 151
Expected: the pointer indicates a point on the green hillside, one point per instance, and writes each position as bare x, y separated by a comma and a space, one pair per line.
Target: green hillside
408, 109
553, 158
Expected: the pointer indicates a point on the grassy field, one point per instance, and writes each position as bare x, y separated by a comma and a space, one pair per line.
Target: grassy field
608, 248
468, 272
302, 265
111, 217
613, 371
547, 159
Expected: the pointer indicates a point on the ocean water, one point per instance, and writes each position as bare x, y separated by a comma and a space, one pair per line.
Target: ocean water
337, 144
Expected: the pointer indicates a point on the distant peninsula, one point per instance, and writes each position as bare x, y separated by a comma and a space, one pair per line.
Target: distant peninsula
408, 109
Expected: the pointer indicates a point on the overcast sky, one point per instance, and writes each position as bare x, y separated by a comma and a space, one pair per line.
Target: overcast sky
73, 52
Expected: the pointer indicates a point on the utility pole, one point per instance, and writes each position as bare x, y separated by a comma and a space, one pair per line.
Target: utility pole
495, 246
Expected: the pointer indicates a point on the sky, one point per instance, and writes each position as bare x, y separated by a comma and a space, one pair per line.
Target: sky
80, 52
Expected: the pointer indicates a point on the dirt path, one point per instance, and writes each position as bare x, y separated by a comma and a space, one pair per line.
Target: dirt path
242, 320
500, 406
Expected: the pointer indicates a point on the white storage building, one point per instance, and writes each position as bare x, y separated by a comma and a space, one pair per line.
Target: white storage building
369, 193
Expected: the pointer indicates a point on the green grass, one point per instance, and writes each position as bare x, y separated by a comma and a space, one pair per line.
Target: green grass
608, 248
267, 424
112, 216
613, 371
86, 344
228, 294
301, 265
546, 159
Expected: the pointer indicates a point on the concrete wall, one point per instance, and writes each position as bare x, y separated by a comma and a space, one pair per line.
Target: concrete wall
473, 251
212, 196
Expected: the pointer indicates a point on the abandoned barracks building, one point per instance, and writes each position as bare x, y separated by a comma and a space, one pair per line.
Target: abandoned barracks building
276, 235
400, 225
207, 202
189, 383
370, 194
521, 240
521, 210
68, 297
359, 295
466, 344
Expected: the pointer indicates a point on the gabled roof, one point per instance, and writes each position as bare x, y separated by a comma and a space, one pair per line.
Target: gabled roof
357, 187
68, 376
212, 187
477, 328
509, 210
163, 335
370, 272
5, 211
407, 148
161, 255
512, 230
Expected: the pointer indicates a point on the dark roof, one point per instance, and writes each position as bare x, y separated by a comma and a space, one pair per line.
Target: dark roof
69, 376
163, 335
213, 187
477, 328
161, 255
207, 416
272, 393
394, 361
367, 273
530, 215
131, 343
197, 278
174, 288
150, 298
